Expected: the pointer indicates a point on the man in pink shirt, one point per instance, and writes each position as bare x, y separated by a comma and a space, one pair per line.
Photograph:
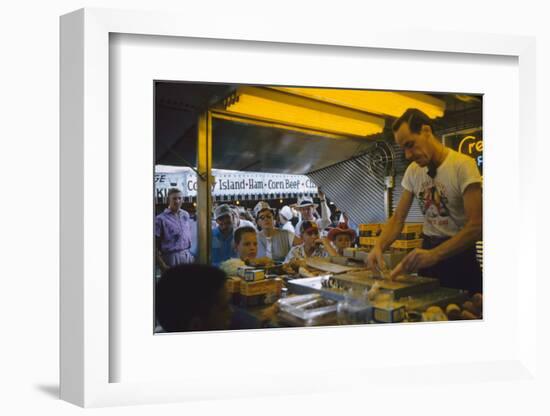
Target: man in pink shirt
173, 233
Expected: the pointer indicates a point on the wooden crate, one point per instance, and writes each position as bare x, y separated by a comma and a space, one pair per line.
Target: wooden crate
407, 244
367, 241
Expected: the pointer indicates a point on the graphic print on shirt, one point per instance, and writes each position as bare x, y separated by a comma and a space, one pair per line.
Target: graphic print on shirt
434, 202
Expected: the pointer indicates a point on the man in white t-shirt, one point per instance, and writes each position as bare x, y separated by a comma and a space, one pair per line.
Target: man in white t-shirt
447, 185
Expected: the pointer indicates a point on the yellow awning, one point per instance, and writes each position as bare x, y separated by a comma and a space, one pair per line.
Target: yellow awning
340, 112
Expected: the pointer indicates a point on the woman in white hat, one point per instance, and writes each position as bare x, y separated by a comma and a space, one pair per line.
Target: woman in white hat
273, 243
285, 215
308, 210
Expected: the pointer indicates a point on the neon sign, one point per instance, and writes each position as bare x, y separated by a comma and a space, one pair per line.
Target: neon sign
472, 146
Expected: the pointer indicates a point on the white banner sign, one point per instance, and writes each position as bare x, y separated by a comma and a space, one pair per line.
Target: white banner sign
235, 183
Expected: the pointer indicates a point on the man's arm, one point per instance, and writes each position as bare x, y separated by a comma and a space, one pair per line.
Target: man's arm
391, 231
163, 266
420, 258
158, 239
324, 222
393, 227
328, 247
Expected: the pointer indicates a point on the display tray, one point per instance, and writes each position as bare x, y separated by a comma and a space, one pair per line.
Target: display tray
314, 285
307, 310
405, 286
418, 302
286, 319
441, 297
342, 284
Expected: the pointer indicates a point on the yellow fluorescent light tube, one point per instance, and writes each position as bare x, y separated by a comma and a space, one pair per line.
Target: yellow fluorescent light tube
304, 112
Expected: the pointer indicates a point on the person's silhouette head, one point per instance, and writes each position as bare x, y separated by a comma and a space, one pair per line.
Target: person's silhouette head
192, 297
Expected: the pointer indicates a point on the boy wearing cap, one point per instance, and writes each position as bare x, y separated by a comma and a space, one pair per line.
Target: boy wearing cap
222, 235
312, 246
272, 242
308, 210
341, 237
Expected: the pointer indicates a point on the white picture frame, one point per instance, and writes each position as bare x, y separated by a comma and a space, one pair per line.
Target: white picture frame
85, 215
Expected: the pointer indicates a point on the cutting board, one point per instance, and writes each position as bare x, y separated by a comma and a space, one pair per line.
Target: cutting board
328, 267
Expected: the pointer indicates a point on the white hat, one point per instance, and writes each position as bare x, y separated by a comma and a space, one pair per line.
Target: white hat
286, 212
305, 201
260, 206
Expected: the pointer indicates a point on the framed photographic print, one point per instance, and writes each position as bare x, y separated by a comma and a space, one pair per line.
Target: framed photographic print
158, 117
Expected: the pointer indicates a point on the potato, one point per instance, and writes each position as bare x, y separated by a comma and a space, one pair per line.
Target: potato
469, 306
434, 313
434, 309
453, 312
451, 307
468, 315
477, 300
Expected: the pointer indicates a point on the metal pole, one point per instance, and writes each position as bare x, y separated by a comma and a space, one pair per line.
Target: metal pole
389, 182
204, 186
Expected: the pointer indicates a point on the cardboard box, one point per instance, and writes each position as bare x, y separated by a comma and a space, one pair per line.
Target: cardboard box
411, 231
412, 227
367, 241
389, 314
242, 269
369, 230
407, 244
254, 275
408, 236
354, 252
233, 286
263, 292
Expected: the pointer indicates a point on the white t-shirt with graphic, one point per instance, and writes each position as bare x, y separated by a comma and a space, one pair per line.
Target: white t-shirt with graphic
440, 198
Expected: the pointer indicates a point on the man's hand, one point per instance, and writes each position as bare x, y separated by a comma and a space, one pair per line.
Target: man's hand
416, 259
375, 259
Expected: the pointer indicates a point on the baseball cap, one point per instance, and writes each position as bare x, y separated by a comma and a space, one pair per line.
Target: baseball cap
260, 206
308, 226
222, 210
